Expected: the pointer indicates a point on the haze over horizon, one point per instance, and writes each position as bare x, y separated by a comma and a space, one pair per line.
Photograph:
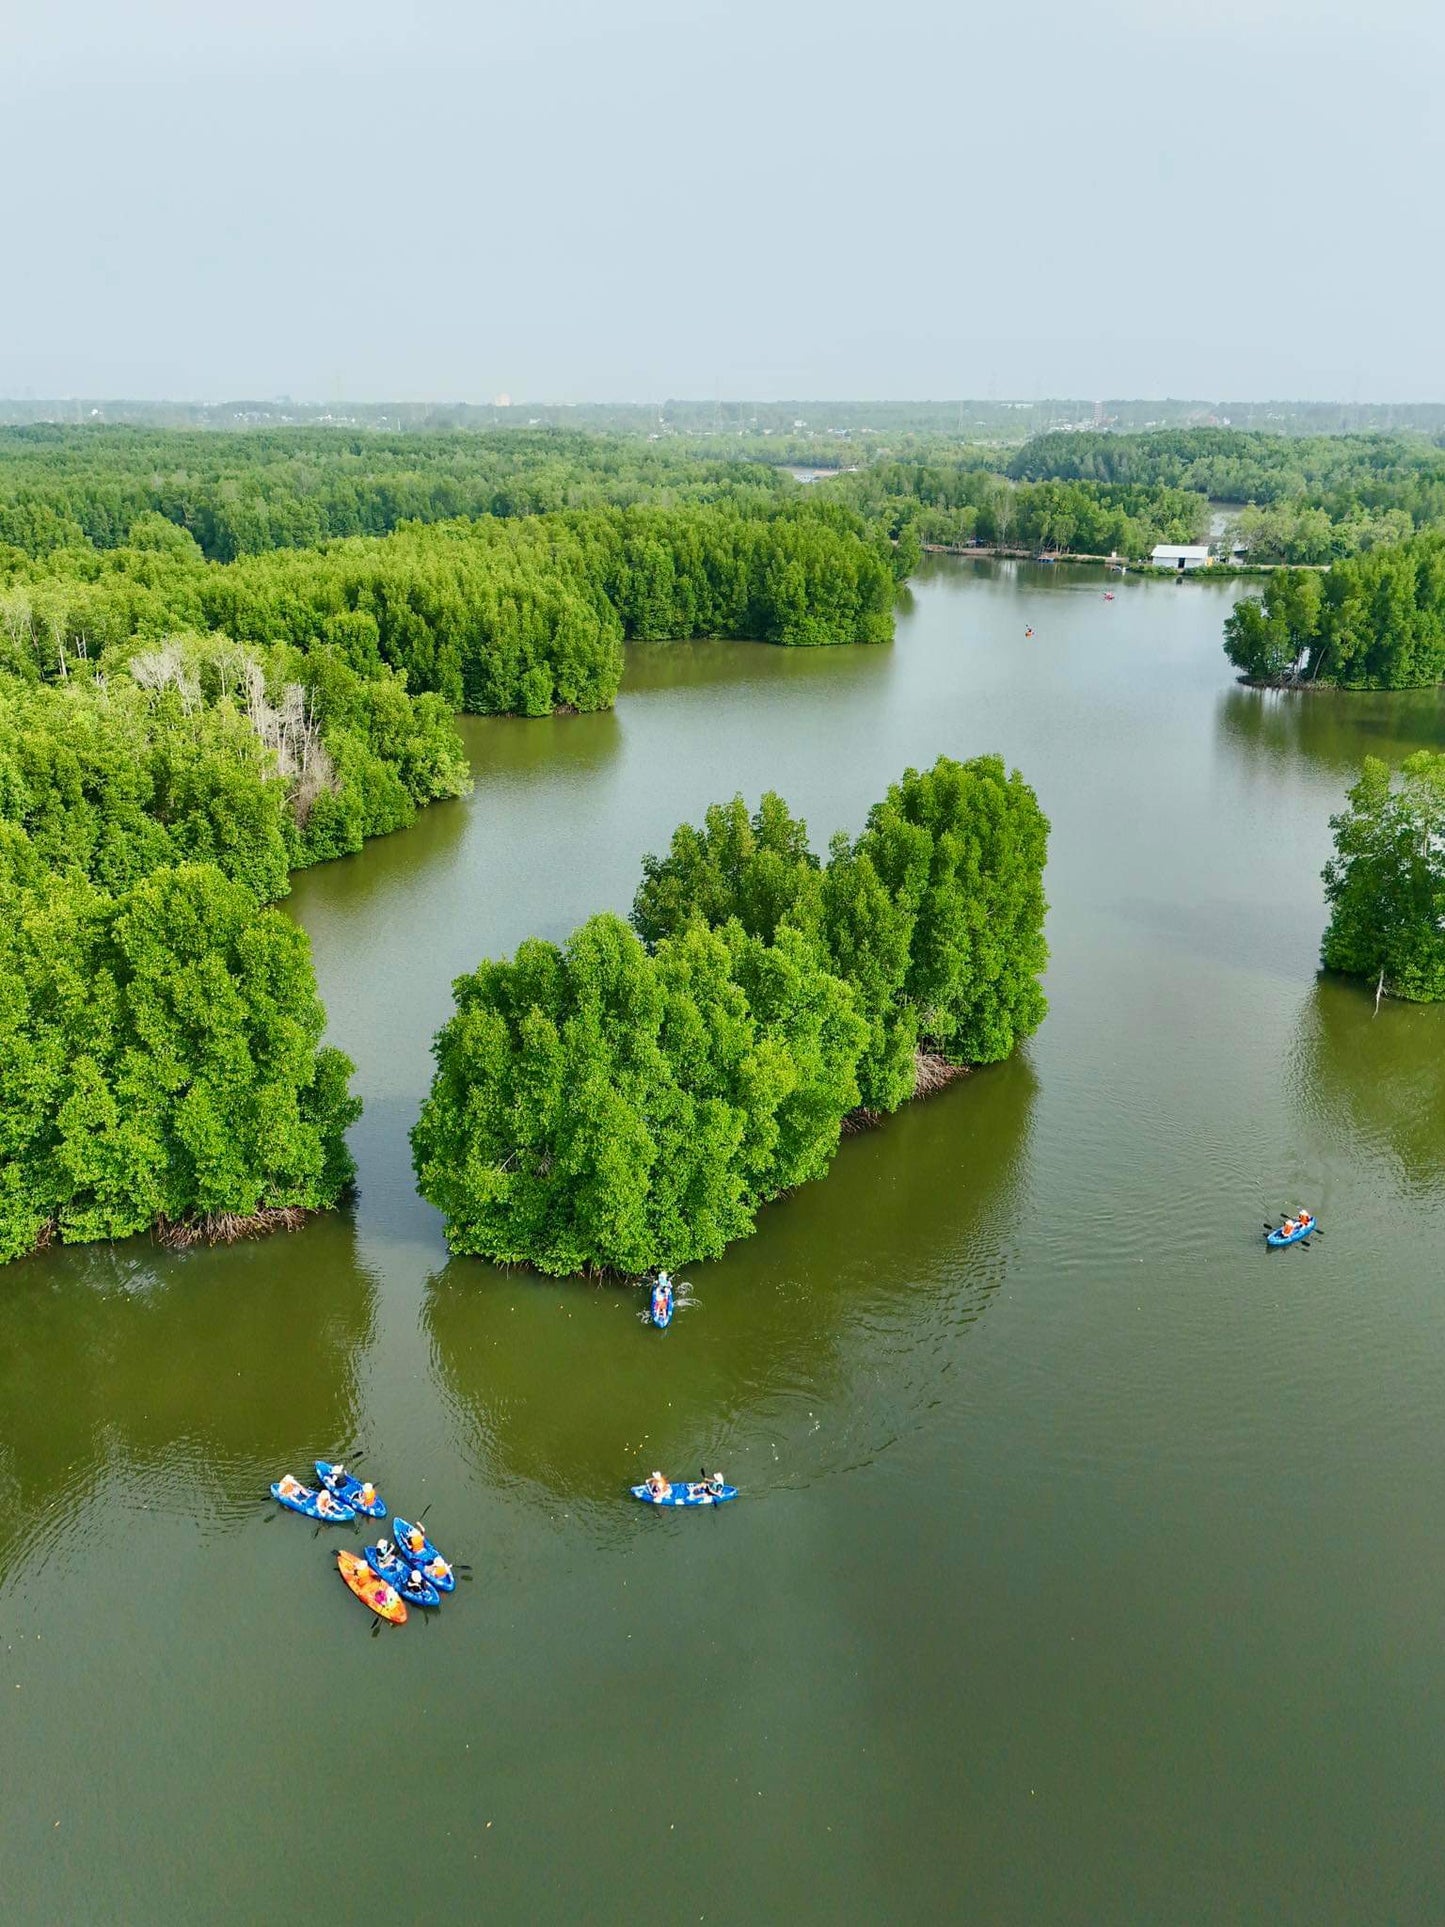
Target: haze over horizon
443, 203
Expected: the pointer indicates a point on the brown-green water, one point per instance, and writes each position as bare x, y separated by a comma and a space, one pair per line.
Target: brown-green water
1089, 1563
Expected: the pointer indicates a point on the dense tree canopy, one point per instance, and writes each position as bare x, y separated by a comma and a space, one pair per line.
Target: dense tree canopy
521, 616
1386, 883
159, 1057
603, 1107
1310, 499
1376, 621
632, 1099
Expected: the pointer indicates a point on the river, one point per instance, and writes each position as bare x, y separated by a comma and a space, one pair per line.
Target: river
1089, 1561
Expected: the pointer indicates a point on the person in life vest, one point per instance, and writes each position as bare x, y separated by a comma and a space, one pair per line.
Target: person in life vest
1304, 1217
290, 1488
416, 1538
368, 1493
658, 1486
326, 1505
1289, 1228
438, 1569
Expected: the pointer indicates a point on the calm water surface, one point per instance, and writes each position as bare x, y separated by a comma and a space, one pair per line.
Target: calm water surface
1089, 1564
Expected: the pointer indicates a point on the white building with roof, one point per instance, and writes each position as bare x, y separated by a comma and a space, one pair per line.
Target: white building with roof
1181, 557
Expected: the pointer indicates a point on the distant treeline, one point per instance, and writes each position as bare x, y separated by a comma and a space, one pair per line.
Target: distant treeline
965, 502
243, 493
1310, 499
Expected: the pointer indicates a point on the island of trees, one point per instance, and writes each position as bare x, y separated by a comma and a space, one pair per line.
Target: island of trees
1376, 621
1386, 883
634, 1096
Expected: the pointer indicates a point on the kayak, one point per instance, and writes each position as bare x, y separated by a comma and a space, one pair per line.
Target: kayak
682, 1494
662, 1306
384, 1600
445, 1580
304, 1500
399, 1531
349, 1492
393, 1570
409, 1581
1277, 1238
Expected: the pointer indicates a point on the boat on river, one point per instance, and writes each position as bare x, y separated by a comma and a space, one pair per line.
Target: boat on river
350, 1491
372, 1590
698, 1493
409, 1581
1282, 1237
401, 1532
300, 1498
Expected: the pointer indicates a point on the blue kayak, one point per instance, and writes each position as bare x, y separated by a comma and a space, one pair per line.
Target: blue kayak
413, 1586
1277, 1238
683, 1494
349, 1492
305, 1501
662, 1306
400, 1532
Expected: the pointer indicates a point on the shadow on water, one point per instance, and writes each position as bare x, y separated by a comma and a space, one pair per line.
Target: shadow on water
1375, 1084
202, 1375
1330, 729
830, 673
808, 1349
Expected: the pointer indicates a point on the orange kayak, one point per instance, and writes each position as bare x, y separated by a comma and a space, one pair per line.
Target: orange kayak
383, 1600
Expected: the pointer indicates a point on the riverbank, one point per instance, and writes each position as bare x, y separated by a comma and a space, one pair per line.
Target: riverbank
1216, 571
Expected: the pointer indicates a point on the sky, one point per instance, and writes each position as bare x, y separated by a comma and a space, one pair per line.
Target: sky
629, 200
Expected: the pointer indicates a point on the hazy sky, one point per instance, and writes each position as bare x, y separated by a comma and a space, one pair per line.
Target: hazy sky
630, 199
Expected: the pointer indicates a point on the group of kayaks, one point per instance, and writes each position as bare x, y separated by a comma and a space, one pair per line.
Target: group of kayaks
657, 1490
393, 1573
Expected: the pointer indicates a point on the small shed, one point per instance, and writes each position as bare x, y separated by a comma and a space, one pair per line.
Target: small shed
1181, 557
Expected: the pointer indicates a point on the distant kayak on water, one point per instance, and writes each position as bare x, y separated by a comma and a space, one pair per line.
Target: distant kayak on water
662, 1302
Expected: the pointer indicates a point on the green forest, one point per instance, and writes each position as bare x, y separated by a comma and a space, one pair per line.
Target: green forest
211, 676
634, 1096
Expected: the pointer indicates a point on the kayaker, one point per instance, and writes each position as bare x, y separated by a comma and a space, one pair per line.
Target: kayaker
1288, 1228
659, 1486
1305, 1217
291, 1488
438, 1569
368, 1493
716, 1483
384, 1551
416, 1538
336, 1477
325, 1503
